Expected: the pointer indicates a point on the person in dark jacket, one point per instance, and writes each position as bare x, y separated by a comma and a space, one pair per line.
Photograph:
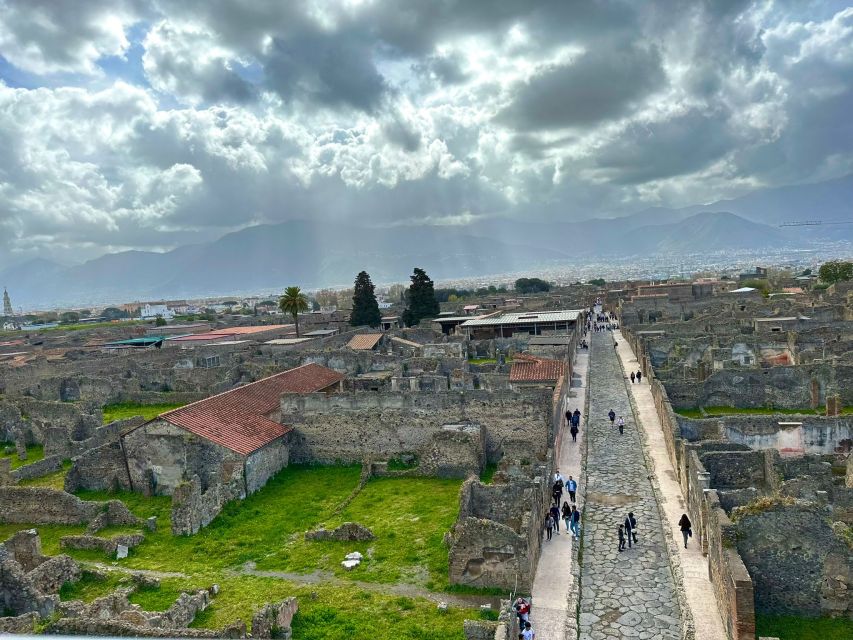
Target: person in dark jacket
567, 516
631, 528
632, 377
549, 524
557, 492
621, 538
576, 418
686, 528
576, 522
555, 515
574, 432
639, 376
612, 416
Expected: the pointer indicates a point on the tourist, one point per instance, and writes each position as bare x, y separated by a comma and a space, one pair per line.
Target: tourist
631, 528
557, 476
528, 633
568, 416
574, 432
632, 377
522, 610
576, 522
567, 516
557, 492
571, 487
621, 424
621, 538
555, 516
639, 376
612, 416
549, 524
686, 528
576, 418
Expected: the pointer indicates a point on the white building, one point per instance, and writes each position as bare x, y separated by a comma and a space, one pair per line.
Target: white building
150, 311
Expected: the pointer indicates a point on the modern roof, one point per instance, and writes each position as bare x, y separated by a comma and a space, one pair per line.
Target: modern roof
744, 290
408, 343
137, 342
530, 317
365, 341
454, 319
530, 369
286, 341
320, 332
470, 307
237, 419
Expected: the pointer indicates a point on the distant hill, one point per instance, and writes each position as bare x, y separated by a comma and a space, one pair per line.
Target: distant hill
316, 254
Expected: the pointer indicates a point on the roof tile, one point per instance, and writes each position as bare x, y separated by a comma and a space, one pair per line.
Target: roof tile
364, 341
532, 369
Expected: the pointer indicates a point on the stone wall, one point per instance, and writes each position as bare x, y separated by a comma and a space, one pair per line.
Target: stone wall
37, 469
101, 469
193, 508
37, 505
160, 456
735, 469
264, 463
798, 563
350, 426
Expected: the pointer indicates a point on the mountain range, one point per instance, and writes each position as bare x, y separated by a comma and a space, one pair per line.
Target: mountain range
317, 254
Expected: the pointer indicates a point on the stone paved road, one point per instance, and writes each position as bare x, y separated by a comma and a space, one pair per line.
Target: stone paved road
629, 594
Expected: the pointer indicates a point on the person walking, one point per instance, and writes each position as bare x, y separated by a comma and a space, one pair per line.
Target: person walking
558, 477
522, 610
632, 377
612, 416
549, 524
528, 633
686, 528
574, 432
567, 517
631, 528
576, 418
621, 424
568, 416
621, 538
571, 487
555, 516
639, 376
576, 522
557, 492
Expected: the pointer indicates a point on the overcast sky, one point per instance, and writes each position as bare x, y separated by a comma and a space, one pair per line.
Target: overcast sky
148, 124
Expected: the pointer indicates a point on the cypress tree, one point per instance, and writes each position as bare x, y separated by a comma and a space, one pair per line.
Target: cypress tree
421, 299
365, 309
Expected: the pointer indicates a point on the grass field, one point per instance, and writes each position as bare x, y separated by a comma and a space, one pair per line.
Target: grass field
125, 410
409, 517
55, 480
35, 452
487, 360
796, 628
715, 412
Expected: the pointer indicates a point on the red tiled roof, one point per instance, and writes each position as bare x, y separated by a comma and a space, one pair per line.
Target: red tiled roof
237, 419
364, 341
531, 369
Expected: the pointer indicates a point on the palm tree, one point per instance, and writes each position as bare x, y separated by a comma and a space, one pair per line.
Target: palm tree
293, 302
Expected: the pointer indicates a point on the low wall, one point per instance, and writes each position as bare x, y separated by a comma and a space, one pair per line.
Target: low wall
101, 469
350, 426
37, 469
193, 509
37, 505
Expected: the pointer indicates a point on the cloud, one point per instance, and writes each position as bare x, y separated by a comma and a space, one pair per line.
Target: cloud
597, 85
45, 36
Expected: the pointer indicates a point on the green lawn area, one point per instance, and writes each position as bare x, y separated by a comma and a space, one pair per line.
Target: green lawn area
35, 452
125, 410
487, 360
55, 480
409, 517
796, 628
715, 412
488, 473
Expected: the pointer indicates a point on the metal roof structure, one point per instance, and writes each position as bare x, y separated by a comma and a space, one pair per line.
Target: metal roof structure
525, 318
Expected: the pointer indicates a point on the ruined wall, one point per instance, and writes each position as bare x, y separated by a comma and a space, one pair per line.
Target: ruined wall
101, 469
37, 505
264, 463
193, 508
351, 426
161, 456
734, 469
809, 573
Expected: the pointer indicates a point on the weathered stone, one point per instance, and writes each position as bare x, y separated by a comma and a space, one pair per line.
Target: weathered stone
348, 531
274, 620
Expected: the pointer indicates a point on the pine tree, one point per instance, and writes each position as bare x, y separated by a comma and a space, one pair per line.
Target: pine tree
7, 304
421, 299
365, 309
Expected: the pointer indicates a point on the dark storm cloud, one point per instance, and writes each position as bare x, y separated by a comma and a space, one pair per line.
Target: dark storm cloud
597, 85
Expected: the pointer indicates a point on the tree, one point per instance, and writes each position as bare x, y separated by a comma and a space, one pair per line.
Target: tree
421, 299
598, 282
836, 271
397, 293
365, 309
326, 298
293, 302
159, 321
69, 317
531, 285
114, 313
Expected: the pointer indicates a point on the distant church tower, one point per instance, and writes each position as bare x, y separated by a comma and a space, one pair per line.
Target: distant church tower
7, 304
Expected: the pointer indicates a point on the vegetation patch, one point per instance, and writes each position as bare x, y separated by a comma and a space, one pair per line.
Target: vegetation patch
759, 505
35, 452
125, 410
717, 412
796, 628
55, 480
403, 463
488, 473
91, 585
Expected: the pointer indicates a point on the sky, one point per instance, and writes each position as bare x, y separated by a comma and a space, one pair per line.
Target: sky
150, 124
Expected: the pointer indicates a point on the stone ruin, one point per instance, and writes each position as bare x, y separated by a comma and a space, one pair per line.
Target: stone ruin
347, 532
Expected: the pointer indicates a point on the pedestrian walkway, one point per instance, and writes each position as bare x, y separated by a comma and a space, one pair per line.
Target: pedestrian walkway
697, 586
628, 594
553, 573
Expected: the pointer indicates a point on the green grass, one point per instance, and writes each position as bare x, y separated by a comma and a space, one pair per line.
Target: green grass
35, 452
796, 628
715, 412
91, 586
488, 473
125, 410
409, 517
487, 360
55, 480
